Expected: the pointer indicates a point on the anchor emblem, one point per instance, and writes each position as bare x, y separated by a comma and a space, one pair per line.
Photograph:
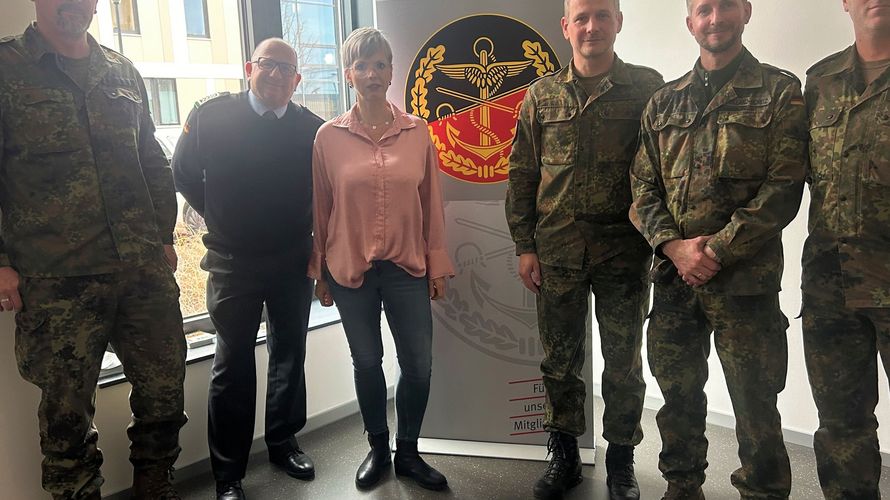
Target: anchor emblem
472, 123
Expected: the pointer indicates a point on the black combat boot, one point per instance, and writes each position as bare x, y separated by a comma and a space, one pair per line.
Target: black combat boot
376, 463
154, 483
620, 476
564, 470
408, 463
683, 492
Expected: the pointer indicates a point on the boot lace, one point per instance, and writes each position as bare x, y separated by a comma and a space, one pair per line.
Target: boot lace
558, 465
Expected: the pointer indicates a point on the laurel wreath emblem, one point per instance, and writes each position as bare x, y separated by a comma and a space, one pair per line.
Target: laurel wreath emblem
486, 331
423, 75
540, 58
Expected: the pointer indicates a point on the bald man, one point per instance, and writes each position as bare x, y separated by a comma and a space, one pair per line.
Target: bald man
244, 162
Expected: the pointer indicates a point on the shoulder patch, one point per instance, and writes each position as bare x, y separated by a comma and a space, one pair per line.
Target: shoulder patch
204, 100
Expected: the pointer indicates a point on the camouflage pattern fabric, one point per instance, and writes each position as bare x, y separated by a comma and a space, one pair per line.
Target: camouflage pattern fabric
567, 201
621, 300
61, 336
732, 167
87, 200
568, 190
84, 186
749, 336
849, 178
846, 270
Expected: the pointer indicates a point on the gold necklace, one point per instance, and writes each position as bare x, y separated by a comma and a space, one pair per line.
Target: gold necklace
375, 126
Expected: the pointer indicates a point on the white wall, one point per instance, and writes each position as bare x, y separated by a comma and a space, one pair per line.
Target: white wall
791, 34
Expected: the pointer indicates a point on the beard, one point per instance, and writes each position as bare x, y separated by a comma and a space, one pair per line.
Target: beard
71, 20
720, 47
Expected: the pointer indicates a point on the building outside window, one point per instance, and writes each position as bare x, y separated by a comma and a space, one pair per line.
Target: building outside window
129, 16
162, 100
196, 18
313, 28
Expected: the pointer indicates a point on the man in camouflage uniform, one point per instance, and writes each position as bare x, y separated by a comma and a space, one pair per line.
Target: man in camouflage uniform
88, 213
718, 176
846, 260
567, 203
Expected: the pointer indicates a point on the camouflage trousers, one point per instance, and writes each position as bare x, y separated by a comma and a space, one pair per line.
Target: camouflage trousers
841, 346
749, 336
621, 298
61, 335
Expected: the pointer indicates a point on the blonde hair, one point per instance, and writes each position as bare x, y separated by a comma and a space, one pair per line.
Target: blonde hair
565, 6
363, 43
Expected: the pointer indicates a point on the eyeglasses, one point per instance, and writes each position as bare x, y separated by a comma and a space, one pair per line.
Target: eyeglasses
267, 64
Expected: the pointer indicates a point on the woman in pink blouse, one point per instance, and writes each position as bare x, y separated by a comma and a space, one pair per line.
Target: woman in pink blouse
380, 238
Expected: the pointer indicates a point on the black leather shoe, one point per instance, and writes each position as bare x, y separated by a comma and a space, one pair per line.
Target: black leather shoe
620, 476
408, 463
295, 463
229, 490
376, 463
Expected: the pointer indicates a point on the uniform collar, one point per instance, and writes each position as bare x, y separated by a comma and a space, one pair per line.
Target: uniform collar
102, 59
260, 108
846, 62
748, 76
619, 74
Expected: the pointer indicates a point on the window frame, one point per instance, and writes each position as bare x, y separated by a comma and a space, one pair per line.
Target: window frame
261, 19
206, 34
135, 7
152, 86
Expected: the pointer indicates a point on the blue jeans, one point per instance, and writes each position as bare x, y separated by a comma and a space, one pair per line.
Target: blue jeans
406, 302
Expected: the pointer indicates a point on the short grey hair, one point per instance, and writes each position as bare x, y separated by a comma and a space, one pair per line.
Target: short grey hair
689, 5
565, 6
363, 43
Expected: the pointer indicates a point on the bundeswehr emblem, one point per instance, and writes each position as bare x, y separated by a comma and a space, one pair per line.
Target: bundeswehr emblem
467, 82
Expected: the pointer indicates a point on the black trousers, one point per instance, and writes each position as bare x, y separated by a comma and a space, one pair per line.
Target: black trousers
235, 302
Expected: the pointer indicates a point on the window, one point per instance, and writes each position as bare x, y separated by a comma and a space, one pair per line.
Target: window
129, 17
313, 28
196, 18
162, 100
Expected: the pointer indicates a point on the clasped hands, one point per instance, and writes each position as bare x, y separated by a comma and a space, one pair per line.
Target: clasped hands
696, 263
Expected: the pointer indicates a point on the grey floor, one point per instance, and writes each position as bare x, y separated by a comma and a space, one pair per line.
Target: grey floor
338, 449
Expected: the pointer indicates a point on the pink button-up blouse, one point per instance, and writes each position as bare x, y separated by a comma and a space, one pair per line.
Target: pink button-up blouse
376, 200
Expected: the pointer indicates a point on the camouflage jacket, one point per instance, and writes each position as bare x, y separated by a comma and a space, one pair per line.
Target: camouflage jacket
84, 186
732, 168
568, 189
849, 178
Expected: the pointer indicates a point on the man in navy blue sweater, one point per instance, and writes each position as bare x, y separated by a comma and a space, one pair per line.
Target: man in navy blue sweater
244, 162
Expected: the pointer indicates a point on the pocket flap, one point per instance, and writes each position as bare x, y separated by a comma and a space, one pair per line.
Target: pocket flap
676, 119
556, 114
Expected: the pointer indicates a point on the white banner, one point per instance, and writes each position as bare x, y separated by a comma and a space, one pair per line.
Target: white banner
466, 66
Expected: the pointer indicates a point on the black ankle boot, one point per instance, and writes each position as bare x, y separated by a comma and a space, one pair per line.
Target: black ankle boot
620, 476
376, 463
408, 463
564, 470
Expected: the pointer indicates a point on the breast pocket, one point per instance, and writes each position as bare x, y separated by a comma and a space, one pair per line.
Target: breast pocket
879, 153
558, 135
675, 142
742, 148
823, 141
124, 103
622, 121
48, 121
